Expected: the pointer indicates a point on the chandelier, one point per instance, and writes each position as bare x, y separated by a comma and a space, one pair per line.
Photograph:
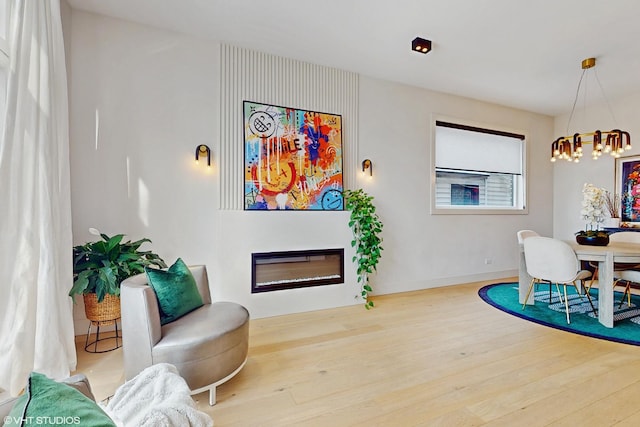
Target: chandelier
614, 142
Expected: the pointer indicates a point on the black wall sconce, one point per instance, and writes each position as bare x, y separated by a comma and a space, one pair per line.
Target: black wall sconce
366, 164
201, 151
421, 45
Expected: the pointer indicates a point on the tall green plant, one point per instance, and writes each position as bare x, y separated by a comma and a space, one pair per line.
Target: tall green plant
366, 227
99, 267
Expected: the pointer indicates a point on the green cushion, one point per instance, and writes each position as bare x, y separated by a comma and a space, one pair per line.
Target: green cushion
49, 403
176, 291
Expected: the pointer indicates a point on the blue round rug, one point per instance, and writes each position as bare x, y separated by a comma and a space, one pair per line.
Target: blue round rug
504, 296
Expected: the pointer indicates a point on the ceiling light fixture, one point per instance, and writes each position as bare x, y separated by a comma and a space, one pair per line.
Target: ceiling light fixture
421, 45
614, 142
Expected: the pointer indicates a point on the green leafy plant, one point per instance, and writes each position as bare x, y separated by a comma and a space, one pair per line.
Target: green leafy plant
99, 267
366, 227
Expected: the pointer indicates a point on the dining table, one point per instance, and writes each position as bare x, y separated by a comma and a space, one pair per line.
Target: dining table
605, 256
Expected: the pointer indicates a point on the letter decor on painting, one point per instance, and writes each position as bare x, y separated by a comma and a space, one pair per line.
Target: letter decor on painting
292, 159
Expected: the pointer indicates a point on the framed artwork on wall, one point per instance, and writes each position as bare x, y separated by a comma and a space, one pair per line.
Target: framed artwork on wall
292, 158
628, 187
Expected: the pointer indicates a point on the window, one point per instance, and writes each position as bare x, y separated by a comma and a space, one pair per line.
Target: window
477, 170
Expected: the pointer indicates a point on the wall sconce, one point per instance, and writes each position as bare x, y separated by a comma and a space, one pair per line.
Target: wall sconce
201, 151
366, 164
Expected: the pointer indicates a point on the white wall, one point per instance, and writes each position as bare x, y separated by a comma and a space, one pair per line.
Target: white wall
423, 250
143, 98
569, 178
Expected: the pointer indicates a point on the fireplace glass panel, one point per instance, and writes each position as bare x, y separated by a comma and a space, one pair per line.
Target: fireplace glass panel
295, 269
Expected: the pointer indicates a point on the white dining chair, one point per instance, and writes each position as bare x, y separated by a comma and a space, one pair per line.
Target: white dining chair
552, 260
624, 273
626, 278
620, 237
522, 235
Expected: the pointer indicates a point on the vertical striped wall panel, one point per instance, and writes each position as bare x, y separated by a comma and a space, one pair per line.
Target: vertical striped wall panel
247, 75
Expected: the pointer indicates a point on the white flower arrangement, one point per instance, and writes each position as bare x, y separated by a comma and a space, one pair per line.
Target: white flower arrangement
593, 205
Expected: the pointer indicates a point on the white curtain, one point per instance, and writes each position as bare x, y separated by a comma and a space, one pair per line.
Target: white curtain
36, 329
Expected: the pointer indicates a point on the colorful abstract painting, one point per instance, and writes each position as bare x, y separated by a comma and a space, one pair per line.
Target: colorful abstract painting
628, 186
292, 159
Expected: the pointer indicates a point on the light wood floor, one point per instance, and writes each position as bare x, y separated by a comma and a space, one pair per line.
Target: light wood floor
439, 357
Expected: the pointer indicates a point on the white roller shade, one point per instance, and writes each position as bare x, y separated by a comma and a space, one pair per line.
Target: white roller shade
477, 151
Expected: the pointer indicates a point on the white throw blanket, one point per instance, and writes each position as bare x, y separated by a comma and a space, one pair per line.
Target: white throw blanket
156, 397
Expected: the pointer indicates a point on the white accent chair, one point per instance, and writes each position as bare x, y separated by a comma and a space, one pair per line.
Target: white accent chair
208, 346
554, 261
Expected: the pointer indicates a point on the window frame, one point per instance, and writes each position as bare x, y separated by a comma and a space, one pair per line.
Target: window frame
471, 209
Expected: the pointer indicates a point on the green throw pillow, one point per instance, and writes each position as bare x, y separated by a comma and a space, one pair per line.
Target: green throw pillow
50, 403
176, 291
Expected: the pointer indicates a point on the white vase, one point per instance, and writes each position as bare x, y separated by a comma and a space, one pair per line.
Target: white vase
611, 223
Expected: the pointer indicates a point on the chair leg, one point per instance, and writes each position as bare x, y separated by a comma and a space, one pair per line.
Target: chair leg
595, 312
627, 293
559, 293
212, 396
566, 302
533, 281
550, 289
594, 276
626, 289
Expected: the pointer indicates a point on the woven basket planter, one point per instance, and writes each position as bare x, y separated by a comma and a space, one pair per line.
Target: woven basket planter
105, 312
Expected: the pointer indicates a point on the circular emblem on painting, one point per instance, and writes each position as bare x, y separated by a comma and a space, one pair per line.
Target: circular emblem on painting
332, 200
262, 124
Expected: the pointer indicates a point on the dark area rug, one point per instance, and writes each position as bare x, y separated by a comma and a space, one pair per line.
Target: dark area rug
504, 296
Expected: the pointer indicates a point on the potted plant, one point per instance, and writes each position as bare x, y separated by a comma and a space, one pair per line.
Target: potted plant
99, 268
366, 227
612, 202
593, 212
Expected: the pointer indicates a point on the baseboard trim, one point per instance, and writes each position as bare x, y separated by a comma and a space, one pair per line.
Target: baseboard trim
403, 286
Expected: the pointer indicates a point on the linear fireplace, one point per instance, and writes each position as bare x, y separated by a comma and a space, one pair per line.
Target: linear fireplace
273, 271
